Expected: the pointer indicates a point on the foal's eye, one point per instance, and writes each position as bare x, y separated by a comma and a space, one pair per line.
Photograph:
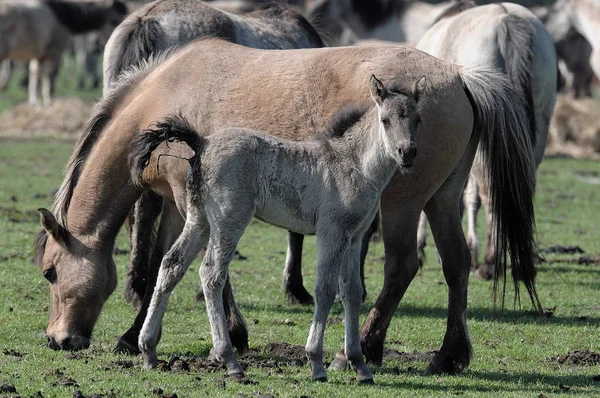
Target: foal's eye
50, 274
385, 122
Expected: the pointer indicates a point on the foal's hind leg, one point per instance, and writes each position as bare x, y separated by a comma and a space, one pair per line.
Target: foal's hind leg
172, 269
292, 273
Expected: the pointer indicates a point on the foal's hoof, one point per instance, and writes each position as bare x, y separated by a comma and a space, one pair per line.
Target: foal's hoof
126, 347
340, 362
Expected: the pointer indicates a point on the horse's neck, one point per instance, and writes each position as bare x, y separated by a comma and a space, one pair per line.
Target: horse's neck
368, 149
103, 196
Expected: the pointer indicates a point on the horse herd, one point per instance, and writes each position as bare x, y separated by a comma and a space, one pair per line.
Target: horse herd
202, 124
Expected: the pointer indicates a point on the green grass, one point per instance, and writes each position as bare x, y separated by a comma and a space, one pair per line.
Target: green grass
510, 348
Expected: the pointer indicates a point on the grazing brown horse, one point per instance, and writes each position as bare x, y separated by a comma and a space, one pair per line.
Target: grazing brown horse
213, 83
167, 24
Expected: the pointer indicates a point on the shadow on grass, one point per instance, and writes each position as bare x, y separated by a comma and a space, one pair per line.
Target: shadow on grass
510, 382
411, 311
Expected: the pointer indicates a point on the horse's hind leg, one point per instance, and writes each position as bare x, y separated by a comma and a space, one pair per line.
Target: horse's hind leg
472, 205
172, 269
421, 239
144, 215
292, 273
366, 239
34, 75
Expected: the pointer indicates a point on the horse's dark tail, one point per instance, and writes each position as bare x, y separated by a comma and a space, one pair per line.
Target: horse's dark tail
134, 41
170, 129
509, 165
515, 39
80, 17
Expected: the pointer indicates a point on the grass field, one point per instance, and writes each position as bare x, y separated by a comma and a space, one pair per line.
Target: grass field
514, 350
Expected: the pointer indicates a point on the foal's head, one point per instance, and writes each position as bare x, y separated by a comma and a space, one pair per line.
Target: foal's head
81, 279
398, 119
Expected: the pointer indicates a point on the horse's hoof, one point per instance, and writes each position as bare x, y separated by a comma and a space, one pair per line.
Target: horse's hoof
340, 362
320, 379
373, 351
150, 362
443, 364
302, 297
483, 273
125, 347
367, 381
237, 376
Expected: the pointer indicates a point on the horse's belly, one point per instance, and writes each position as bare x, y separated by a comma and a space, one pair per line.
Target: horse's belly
285, 216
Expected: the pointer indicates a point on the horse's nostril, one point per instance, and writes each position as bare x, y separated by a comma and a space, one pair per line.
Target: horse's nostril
66, 343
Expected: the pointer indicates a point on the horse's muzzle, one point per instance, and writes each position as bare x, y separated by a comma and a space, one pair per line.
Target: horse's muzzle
69, 343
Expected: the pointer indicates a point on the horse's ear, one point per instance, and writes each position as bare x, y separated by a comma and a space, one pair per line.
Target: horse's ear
418, 88
50, 224
378, 90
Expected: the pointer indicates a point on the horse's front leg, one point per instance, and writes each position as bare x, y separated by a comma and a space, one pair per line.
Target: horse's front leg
366, 239
399, 228
144, 215
332, 245
292, 273
172, 270
34, 76
351, 293
170, 227
472, 205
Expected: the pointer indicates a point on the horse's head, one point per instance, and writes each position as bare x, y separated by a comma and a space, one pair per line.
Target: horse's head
398, 119
81, 279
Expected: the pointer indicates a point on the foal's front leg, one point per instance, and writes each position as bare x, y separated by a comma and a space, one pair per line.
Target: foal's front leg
352, 293
172, 269
332, 246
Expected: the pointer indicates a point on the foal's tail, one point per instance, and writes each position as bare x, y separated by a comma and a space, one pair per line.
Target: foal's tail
509, 164
172, 128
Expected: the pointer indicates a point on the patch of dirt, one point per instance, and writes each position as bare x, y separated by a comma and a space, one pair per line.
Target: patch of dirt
66, 382
162, 394
12, 353
282, 350
577, 358
19, 216
65, 118
408, 357
559, 249
574, 129
120, 364
7, 389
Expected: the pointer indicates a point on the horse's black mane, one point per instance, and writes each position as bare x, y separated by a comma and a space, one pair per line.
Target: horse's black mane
457, 7
373, 12
83, 17
346, 117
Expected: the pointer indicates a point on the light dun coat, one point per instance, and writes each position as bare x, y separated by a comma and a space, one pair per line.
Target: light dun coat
330, 188
215, 84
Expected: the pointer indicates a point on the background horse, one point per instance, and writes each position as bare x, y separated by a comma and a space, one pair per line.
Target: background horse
167, 24
39, 31
296, 93
511, 38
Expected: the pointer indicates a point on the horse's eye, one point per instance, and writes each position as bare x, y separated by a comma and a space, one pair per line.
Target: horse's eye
385, 122
50, 274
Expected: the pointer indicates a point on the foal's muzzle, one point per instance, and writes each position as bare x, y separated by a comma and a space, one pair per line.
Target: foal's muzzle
407, 156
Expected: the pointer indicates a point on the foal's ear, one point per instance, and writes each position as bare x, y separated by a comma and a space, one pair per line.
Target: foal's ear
418, 88
378, 90
50, 224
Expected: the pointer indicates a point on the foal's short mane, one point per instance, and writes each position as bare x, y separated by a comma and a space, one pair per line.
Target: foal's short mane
455, 8
101, 115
